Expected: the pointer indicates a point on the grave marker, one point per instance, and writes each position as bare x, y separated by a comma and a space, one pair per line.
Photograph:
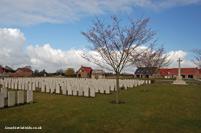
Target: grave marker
92, 92
80, 91
1, 100
64, 90
11, 98
69, 90
86, 91
29, 96
4, 91
20, 97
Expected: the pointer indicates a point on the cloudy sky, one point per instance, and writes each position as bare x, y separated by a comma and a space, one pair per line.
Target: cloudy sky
45, 34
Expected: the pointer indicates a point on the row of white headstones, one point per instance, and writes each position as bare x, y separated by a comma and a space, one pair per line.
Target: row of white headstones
69, 86
11, 97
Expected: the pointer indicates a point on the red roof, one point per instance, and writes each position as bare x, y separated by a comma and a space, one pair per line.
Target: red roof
87, 69
165, 71
25, 69
200, 71
184, 70
175, 71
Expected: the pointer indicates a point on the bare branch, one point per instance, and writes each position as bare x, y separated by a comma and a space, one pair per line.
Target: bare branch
197, 55
114, 44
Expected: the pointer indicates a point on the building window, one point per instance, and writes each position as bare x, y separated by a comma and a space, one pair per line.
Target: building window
82, 70
190, 76
183, 76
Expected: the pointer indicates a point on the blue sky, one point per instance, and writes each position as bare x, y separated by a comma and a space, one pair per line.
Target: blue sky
58, 24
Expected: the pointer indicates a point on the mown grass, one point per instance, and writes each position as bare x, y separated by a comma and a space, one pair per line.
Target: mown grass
164, 108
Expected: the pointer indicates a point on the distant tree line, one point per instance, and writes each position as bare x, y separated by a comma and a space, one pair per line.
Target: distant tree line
69, 72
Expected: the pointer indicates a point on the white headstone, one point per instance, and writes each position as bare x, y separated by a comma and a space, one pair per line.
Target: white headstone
52, 90
107, 90
6, 84
16, 85
34, 86
4, 91
23, 84
1, 100
74, 91
86, 91
29, 96
3, 83
9, 84
112, 83
12, 86
96, 86
11, 98
64, 90
30, 86
43, 87
20, 86
58, 89
20, 97
47, 88
26, 86
69, 90
92, 92
101, 88
80, 91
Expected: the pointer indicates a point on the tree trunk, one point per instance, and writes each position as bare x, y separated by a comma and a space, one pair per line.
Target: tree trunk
154, 80
117, 87
144, 83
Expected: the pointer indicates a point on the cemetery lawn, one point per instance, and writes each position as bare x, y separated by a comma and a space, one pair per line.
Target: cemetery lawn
165, 108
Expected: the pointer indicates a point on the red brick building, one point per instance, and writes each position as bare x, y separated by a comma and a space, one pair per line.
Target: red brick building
84, 72
200, 73
5, 72
20, 72
1, 71
165, 73
23, 72
186, 73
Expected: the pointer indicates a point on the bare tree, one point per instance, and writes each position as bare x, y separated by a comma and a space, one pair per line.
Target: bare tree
197, 60
28, 67
150, 60
60, 72
114, 44
161, 60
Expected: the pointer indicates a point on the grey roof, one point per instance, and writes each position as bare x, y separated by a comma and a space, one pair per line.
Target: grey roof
142, 70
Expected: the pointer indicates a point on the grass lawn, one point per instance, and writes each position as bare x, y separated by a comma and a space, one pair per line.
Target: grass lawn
164, 108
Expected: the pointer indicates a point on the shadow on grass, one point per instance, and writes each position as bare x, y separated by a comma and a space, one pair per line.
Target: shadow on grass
114, 102
17, 105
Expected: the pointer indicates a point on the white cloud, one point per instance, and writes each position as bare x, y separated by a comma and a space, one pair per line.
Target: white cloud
173, 3
175, 55
53, 59
12, 42
29, 12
